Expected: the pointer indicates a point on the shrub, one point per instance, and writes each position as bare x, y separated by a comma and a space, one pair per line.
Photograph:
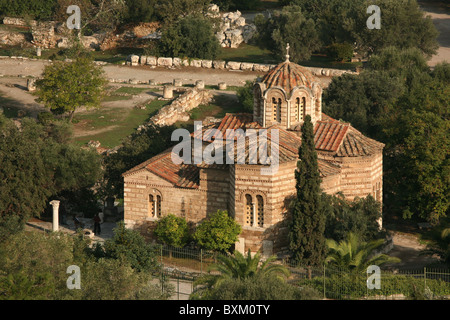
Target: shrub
245, 96
261, 288
353, 286
340, 51
172, 230
219, 232
192, 37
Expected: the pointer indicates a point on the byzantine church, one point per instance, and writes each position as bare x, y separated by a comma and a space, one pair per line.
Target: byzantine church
349, 163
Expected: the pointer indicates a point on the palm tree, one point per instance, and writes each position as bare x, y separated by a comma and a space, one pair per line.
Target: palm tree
238, 266
351, 254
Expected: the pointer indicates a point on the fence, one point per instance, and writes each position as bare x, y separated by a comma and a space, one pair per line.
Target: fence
180, 268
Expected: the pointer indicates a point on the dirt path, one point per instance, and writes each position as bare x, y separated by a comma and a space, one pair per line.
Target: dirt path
408, 248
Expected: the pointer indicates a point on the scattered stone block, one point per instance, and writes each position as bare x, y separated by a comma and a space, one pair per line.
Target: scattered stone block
168, 92
246, 66
219, 64
152, 61
165, 62
206, 63
196, 63
200, 84
31, 85
233, 65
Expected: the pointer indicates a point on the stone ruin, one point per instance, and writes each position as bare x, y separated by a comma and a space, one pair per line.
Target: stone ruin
233, 29
47, 34
179, 109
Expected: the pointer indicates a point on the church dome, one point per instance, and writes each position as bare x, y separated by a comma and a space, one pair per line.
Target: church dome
288, 75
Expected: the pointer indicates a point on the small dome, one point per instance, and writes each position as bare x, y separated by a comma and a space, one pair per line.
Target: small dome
288, 75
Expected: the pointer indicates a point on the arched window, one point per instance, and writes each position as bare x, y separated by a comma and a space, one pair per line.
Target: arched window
274, 107
158, 206
301, 105
248, 210
279, 110
151, 206
154, 206
260, 213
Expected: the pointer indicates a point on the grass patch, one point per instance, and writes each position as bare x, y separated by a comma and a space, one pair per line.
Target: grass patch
121, 121
322, 61
221, 105
114, 97
130, 90
247, 53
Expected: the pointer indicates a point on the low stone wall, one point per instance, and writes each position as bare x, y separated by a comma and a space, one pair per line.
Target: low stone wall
18, 21
179, 109
135, 60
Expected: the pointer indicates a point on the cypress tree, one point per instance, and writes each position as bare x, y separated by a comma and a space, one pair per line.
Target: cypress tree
307, 240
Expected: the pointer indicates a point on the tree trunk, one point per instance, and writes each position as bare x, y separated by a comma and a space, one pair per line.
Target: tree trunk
71, 116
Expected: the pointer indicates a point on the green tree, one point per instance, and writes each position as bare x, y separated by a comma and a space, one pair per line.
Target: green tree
170, 11
192, 36
66, 86
402, 103
245, 96
35, 9
403, 25
140, 10
135, 149
96, 15
218, 232
359, 216
39, 162
237, 266
258, 288
130, 246
362, 99
306, 234
288, 25
33, 265
340, 51
354, 255
172, 230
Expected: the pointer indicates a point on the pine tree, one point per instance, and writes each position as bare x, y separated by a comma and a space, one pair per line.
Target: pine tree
307, 240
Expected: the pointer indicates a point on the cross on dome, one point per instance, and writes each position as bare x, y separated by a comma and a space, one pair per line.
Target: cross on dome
287, 52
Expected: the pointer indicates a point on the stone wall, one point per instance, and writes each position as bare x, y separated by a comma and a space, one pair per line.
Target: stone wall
192, 204
18, 21
135, 60
179, 109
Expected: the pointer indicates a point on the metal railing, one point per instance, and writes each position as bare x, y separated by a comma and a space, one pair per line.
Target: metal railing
182, 266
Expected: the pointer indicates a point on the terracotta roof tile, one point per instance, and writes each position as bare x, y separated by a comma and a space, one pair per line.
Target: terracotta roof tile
341, 139
288, 75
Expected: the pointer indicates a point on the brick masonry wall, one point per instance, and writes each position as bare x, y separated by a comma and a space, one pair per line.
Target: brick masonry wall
225, 189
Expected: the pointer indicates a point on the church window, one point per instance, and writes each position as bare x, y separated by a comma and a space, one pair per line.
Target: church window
276, 105
248, 210
151, 206
260, 213
158, 206
154, 206
300, 104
